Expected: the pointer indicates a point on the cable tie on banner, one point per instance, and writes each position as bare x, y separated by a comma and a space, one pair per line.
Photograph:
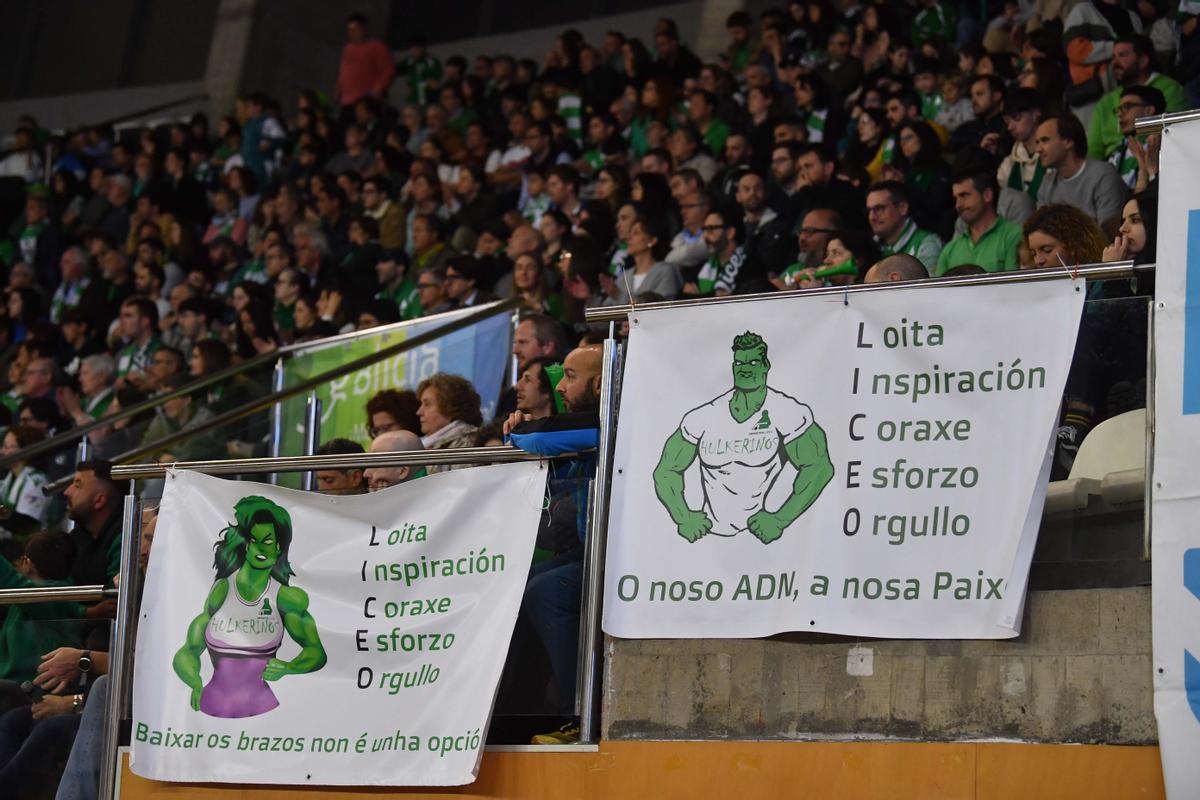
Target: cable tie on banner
845, 297
1074, 273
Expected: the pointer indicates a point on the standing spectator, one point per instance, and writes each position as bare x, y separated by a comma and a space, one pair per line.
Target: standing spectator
366, 68
1092, 186
990, 241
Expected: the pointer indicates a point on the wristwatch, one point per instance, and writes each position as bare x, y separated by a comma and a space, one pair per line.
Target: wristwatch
85, 662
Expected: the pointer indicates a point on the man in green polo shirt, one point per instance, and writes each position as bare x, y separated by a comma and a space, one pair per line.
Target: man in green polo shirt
1132, 65
895, 231
990, 240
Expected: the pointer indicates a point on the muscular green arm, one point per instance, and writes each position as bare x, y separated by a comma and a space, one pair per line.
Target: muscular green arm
293, 604
187, 660
677, 455
809, 454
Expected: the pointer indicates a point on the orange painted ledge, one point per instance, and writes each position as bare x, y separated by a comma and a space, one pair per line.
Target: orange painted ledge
744, 770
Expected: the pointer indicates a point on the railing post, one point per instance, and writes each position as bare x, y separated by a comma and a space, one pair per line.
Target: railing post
120, 659
591, 638
312, 435
277, 418
1148, 487
513, 363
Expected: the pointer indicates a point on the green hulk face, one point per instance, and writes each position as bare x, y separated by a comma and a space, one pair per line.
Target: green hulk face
750, 369
262, 550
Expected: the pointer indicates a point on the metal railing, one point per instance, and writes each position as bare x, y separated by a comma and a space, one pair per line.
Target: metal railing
1115, 270
1159, 123
263, 403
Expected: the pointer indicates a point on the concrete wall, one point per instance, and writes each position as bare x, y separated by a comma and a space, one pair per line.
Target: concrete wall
1080, 672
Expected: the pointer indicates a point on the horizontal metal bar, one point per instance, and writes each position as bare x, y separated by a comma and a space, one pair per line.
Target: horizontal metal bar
301, 348
1156, 123
62, 594
505, 454
1093, 272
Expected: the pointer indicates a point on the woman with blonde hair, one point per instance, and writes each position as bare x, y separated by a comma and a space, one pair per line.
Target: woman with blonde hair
449, 413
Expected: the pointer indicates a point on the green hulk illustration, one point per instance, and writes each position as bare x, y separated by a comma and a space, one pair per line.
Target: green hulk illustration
245, 615
743, 438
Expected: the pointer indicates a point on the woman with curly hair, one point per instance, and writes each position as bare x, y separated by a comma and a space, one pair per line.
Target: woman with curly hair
449, 413
1059, 234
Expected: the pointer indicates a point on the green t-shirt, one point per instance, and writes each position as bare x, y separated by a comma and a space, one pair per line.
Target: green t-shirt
996, 250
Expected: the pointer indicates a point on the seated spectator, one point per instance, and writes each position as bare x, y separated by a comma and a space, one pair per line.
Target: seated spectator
449, 413
1062, 236
1136, 239
648, 247
1133, 66
180, 414
96, 374
378, 204
463, 274
431, 291
535, 394
530, 285
31, 630
393, 410
1092, 186
723, 234
687, 249
990, 241
1136, 157
340, 481
21, 490
768, 239
391, 442
896, 267
894, 229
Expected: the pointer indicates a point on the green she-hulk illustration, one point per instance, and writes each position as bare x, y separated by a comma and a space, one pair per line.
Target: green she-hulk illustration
245, 615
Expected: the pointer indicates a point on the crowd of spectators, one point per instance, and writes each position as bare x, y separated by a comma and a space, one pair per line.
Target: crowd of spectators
831, 142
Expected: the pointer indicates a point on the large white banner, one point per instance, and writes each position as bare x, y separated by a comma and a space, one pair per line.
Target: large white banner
1175, 494
297, 638
872, 464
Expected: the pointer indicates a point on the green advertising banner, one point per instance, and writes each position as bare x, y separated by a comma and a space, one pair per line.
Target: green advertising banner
478, 353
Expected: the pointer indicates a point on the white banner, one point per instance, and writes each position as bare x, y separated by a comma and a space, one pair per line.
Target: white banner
872, 464
1175, 495
296, 638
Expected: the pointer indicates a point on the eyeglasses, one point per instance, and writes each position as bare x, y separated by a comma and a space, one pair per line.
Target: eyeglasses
427, 286
879, 209
375, 430
1125, 108
811, 231
713, 228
